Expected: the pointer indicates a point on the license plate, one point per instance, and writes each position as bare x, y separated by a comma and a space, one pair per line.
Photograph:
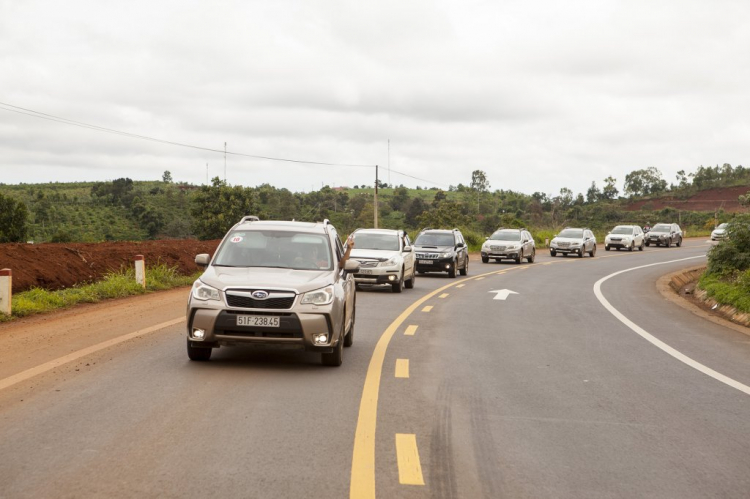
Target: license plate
425, 262
365, 271
258, 320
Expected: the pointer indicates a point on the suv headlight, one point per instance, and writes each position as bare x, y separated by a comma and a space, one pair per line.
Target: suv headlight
204, 292
322, 296
447, 254
391, 262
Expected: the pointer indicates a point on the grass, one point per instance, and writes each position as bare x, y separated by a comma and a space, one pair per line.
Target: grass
734, 290
114, 285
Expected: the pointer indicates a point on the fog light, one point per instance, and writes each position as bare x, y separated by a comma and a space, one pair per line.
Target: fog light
320, 339
199, 334
391, 277
448, 266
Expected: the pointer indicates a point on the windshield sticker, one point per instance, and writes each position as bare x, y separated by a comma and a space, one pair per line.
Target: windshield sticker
236, 239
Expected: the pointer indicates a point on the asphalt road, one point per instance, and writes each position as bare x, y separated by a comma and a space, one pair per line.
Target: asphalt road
582, 384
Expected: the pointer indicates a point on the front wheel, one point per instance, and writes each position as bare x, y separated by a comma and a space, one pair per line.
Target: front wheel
465, 270
198, 353
606, 247
632, 245
349, 338
452, 270
335, 358
410, 283
485, 259
530, 258
640, 248
592, 253
552, 253
397, 287
580, 252
648, 243
679, 243
519, 257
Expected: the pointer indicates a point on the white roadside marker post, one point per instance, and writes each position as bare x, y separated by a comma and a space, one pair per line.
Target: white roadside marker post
6, 279
140, 270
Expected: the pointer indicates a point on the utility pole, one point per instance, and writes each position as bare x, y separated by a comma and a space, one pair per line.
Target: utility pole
225, 162
375, 204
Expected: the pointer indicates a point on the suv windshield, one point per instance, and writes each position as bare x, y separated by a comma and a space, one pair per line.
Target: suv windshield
279, 249
386, 242
661, 228
506, 236
572, 233
428, 239
622, 230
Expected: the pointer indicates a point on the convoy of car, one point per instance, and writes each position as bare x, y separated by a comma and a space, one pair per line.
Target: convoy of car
287, 284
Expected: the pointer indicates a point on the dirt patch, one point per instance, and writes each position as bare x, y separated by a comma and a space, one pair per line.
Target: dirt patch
60, 265
725, 198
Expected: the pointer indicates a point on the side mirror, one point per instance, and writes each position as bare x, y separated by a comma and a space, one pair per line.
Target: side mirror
407, 249
459, 245
351, 266
487, 238
202, 260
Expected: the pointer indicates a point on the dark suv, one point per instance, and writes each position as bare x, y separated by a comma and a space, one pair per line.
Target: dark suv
664, 234
438, 250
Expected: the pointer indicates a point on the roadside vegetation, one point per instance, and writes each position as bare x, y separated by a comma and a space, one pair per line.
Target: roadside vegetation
124, 209
727, 276
114, 285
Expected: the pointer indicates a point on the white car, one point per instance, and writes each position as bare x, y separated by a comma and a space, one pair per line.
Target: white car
385, 256
625, 236
574, 241
719, 232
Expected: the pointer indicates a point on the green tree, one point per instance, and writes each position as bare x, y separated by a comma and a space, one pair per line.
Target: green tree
479, 182
217, 207
744, 200
645, 181
609, 191
13, 216
733, 253
593, 194
167, 177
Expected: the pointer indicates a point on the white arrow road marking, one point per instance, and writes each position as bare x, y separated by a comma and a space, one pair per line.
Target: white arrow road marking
502, 294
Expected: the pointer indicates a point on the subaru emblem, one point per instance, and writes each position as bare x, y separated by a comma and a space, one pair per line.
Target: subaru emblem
260, 295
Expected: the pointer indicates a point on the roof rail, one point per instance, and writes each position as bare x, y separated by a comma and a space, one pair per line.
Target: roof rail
326, 222
250, 218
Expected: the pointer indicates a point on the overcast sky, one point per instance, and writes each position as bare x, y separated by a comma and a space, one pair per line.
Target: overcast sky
539, 95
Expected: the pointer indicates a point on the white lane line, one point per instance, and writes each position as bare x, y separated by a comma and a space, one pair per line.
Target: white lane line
658, 343
30, 373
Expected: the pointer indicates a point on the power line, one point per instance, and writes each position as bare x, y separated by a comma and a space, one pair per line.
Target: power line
38, 114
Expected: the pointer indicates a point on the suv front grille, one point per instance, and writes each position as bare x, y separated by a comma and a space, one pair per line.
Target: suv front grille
275, 300
427, 256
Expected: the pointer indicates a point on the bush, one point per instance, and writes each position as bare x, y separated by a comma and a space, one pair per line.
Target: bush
731, 255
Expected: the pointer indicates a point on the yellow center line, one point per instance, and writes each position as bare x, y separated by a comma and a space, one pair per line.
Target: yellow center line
409, 468
427, 308
480, 278
410, 330
443, 295
402, 368
362, 483
461, 285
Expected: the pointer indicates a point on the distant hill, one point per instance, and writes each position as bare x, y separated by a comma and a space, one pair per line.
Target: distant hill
719, 198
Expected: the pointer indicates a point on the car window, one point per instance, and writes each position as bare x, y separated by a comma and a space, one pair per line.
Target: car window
661, 228
572, 233
622, 230
280, 249
506, 236
385, 242
433, 239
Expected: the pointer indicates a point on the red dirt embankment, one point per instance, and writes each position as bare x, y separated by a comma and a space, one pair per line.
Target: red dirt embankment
725, 198
61, 265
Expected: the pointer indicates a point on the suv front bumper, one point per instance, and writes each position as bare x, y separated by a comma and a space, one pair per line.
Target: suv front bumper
296, 329
435, 265
378, 275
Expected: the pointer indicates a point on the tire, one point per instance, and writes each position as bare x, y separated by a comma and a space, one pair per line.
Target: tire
197, 353
349, 338
669, 243
606, 247
397, 287
410, 283
640, 248
679, 243
519, 257
485, 259
631, 247
530, 259
552, 253
592, 253
581, 252
452, 270
465, 270
648, 243
335, 358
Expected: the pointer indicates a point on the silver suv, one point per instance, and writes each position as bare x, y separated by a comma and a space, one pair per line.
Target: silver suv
574, 240
512, 244
283, 284
385, 256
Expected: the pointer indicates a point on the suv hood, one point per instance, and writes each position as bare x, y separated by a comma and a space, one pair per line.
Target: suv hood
569, 239
371, 254
299, 281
